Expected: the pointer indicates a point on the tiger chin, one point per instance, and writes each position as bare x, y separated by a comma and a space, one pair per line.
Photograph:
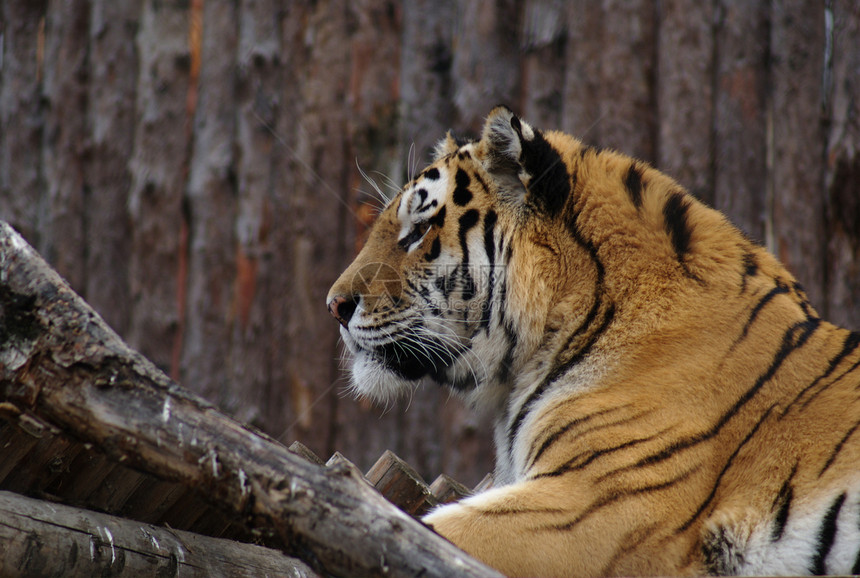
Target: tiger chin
665, 398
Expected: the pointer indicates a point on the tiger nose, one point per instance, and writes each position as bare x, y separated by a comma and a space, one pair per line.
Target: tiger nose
342, 307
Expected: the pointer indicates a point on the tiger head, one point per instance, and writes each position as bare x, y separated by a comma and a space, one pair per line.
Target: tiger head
508, 258
430, 294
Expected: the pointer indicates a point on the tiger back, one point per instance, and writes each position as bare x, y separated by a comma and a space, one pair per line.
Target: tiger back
665, 399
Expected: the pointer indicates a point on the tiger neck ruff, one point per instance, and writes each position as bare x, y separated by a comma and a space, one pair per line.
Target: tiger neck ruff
665, 398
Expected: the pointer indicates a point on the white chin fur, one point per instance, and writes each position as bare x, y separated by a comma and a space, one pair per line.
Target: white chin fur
371, 380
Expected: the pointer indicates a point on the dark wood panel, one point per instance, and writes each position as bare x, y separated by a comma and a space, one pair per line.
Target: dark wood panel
205, 216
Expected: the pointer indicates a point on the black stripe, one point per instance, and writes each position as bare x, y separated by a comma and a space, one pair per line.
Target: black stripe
707, 501
423, 291
504, 373
633, 184
462, 194
750, 270
838, 449
432, 174
852, 341
675, 220
794, 339
783, 503
557, 373
416, 233
481, 182
550, 183
490, 249
554, 436
561, 368
435, 250
585, 458
439, 218
802, 299
778, 290
618, 495
826, 537
467, 220
678, 227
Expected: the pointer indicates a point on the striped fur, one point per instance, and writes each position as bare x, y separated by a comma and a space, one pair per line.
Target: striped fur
666, 401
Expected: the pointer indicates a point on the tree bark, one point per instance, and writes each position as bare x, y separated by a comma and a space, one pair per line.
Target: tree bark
43, 539
740, 135
685, 93
211, 205
843, 165
486, 62
543, 43
111, 125
64, 94
797, 57
21, 113
60, 364
628, 86
159, 163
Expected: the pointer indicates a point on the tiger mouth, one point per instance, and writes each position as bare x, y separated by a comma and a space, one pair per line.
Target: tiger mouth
413, 362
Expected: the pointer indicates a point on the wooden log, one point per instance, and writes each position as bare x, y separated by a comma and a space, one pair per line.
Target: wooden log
304, 451
843, 165
484, 484
446, 489
61, 364
43, 539
401, 484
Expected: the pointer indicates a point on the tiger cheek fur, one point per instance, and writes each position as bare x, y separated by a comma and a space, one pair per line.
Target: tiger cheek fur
665, 399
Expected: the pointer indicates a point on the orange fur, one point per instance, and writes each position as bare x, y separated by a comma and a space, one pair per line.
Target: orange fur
665, 399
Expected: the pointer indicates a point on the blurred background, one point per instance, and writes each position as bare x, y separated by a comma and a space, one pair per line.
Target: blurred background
192, 168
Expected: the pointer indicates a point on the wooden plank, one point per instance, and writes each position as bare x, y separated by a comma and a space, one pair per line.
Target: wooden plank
446, 489
21, 113
485, 70
312, 181
92, 386
582, 115
685, 94
262, 259
543, 62
158, 168
64, 90
740, 143
210, 208
628, 120
44, 539
797, 74
401, 484
426, 106
111, 86
842, 178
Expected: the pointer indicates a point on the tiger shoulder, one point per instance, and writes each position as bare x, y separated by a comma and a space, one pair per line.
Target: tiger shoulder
665, 399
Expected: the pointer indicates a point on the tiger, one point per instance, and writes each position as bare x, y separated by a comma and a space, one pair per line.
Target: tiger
665, 400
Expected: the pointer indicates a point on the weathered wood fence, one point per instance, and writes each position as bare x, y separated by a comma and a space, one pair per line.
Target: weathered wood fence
190, 166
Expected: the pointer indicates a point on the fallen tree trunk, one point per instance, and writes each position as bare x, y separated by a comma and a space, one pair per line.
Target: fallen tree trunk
42, 539
60, 365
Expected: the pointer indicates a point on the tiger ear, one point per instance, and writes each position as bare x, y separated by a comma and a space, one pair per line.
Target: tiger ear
503, 140
445, 147
520, 158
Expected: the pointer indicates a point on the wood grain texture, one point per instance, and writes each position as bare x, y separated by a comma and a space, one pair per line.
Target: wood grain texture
62, 366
